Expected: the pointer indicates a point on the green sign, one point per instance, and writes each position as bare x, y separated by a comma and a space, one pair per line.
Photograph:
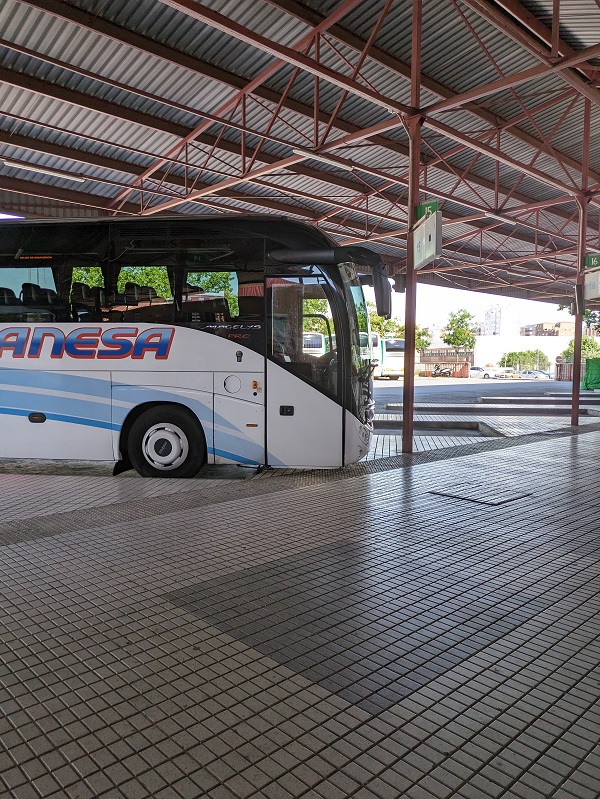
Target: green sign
592, 261
426, 209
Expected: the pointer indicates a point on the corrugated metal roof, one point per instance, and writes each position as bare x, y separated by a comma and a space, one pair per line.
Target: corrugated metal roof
118, 131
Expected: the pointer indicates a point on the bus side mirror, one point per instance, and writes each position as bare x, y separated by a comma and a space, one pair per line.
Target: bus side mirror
400, 283
383, 292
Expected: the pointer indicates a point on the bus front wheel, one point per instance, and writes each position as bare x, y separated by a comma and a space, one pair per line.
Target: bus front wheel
166, 441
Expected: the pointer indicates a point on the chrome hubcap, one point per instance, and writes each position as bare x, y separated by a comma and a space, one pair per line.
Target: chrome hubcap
165, 446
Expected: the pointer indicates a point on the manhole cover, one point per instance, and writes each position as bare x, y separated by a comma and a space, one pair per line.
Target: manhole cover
483, 495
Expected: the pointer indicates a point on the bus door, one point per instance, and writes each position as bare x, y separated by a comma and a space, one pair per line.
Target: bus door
304, 410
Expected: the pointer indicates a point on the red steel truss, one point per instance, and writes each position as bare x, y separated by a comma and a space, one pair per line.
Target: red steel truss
491, 154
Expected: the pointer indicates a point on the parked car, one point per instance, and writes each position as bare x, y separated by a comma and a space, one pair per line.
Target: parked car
535, 374
507, 372
482, 371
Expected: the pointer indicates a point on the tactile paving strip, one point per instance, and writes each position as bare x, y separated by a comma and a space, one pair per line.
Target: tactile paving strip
203, 494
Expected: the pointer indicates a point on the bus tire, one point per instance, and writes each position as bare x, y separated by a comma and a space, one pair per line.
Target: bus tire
166, 441
394, 377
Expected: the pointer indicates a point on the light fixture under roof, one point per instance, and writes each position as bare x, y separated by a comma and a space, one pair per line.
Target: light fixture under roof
42, 170
506, 219
318, 157
10, 216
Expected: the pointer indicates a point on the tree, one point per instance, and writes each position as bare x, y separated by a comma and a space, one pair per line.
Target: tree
422, 337
591, 319
460, 331
396, 329
385, 327
527, 359
590, 348
315, 323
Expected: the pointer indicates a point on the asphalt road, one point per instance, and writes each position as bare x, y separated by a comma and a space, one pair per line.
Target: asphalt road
436, 389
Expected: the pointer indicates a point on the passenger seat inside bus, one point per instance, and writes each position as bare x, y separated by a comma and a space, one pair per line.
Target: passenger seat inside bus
140, 295
84, 303
43, 300
33, 294
212, 309
252, 308
8, 297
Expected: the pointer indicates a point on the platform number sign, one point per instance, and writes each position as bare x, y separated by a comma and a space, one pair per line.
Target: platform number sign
426, 209
592, 261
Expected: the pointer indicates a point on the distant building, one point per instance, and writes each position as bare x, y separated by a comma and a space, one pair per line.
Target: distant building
492, 324
549, 329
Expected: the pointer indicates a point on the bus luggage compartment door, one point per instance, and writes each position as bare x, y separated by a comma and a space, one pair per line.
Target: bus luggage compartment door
239, 418
55, 415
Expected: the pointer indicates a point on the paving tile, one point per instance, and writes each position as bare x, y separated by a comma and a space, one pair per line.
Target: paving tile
334, 635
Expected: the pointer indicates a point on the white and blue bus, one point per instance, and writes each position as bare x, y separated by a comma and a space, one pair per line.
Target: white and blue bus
168, 343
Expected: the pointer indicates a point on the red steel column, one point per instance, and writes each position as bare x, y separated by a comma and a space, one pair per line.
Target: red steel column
582, 203
583, 209
414, 133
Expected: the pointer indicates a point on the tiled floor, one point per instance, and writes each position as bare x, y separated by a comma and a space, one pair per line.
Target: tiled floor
349, 636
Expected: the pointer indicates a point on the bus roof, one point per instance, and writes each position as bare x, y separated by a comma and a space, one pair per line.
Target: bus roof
288, 232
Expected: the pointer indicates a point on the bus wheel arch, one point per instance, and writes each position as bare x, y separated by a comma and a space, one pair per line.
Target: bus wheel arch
163, 439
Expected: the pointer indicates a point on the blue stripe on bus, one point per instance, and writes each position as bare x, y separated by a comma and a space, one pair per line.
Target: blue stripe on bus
79, 409
50, 404
57, 417
57, 381
237, 458
108, 426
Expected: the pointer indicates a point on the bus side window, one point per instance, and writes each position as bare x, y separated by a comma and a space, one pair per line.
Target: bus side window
87, 294
228, 303
140, 294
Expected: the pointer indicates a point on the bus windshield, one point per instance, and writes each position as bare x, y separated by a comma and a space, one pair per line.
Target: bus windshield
360, 349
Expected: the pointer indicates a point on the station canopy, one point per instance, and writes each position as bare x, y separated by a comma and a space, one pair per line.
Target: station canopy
302, 109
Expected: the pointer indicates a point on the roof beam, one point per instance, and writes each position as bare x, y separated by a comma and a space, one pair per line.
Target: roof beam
276, 204
500, 20
114, 110
512, 80
157, 123
30, 188
220, 22
287, 55
498, 155
126, 167
537, 27
118, 111
401, 68
99, 25
232, 103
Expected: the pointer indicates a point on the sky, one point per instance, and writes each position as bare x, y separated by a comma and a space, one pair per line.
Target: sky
435, 303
